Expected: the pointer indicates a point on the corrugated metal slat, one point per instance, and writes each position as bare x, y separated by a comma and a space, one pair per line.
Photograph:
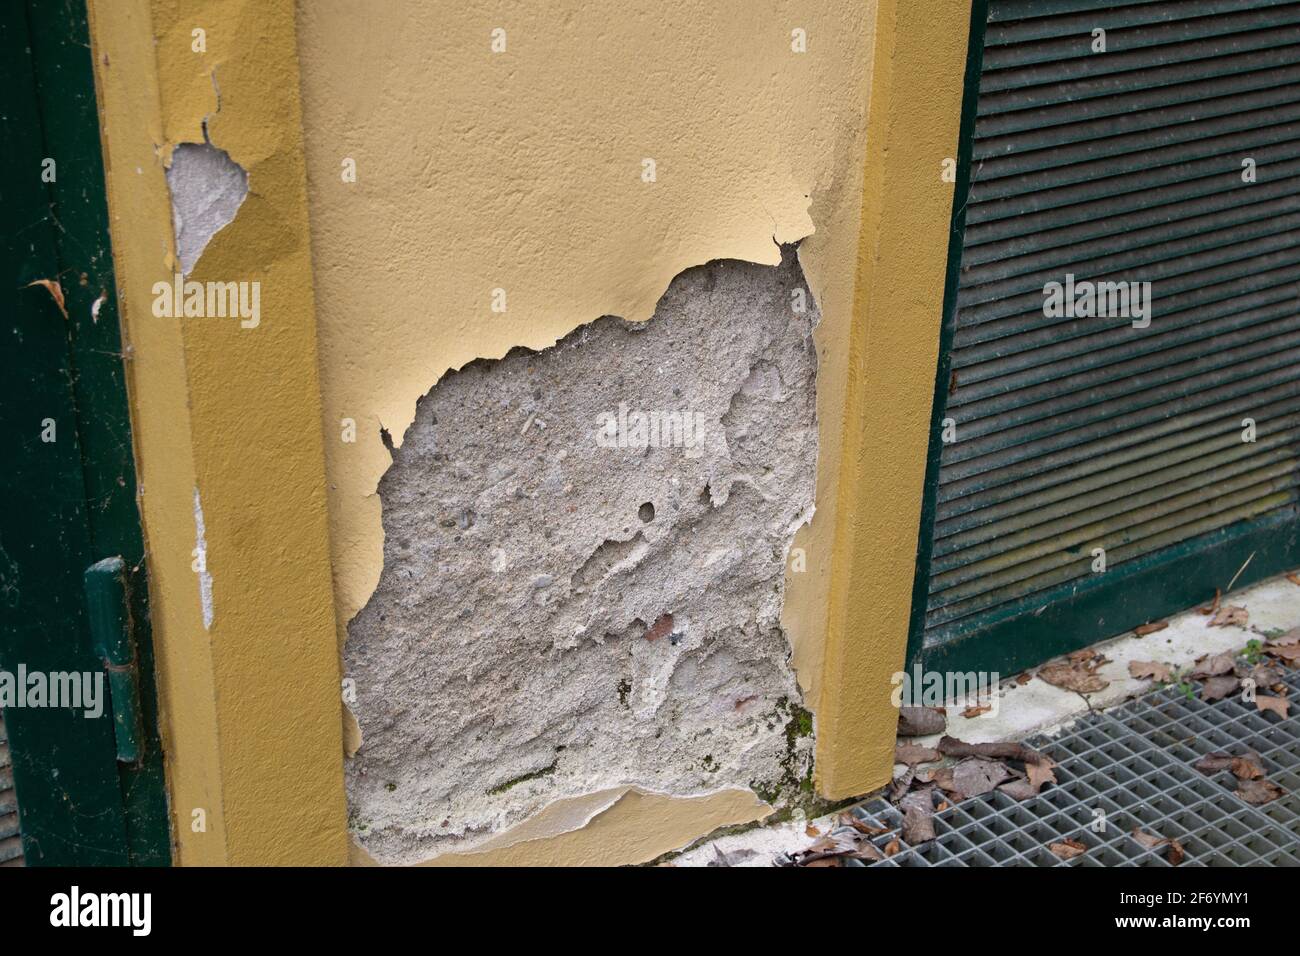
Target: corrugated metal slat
1078, 432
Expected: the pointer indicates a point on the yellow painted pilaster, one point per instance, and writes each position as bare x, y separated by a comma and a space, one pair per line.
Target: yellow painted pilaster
250, 699
913, 115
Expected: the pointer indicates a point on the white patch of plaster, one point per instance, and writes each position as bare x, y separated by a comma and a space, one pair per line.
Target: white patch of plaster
207, 188
201, 555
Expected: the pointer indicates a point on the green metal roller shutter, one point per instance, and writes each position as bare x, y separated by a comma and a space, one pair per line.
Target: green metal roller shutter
1078, 433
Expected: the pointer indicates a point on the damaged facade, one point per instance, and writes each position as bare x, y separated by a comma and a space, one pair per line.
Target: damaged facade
560, 613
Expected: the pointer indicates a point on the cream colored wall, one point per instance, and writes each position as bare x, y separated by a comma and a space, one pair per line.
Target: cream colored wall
522, 170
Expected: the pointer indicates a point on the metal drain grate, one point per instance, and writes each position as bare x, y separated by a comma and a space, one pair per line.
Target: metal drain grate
1134, 763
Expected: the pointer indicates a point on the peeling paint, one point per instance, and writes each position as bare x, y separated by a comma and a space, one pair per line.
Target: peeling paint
201, 563
526, 178
638, 539
207, 188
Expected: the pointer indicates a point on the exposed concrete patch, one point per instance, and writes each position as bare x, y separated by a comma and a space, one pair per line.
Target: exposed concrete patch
207, 188
559, 614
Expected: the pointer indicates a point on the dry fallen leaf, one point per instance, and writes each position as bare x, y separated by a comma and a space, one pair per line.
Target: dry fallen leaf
1230, 616
1258, 792
1024, 677
1247, 768
1142, 630
1148, 840
976, 775
1152, 669
1212, 666
55, 290
1175, 853
862, 826
1278, 705
1211, 608
892, 847
920, 721
1068, 848
1214, 763
1217, 688
1018, 789
1293, 577
974, 711
1040, 774
1286, 652
911, 754
1077, 676
918, 817
811, 831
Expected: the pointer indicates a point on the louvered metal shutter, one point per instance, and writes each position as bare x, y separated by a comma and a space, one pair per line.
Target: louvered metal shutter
1082, 433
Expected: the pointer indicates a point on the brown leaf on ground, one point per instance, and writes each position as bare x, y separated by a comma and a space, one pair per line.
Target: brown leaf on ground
942, 778
1068, 848
1217, 688
1175, 854
1212, 666
976, 775
1263, 675
1293, 577
952, 747
862, 826
811, 831
1248, 767
1148, 840
1142, 630
1024, 677
1258, 792
902, 783
1150, 669
920, 721
1040, 774
1230, 616
1285, 652
1077, 676
974, 711
892, 847
55, 290
1290, 637
911, 754
918, 817
1278, 705
1212, 607
833, 849
1018, 789
1214, 763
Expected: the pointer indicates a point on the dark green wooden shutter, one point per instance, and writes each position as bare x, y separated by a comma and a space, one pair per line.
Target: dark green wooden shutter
1074, 434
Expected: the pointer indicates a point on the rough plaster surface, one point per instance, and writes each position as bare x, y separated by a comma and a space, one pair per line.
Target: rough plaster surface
207, 188
516, 651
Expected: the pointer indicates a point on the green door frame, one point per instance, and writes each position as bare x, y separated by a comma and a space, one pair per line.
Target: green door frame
84, 798
1077, 613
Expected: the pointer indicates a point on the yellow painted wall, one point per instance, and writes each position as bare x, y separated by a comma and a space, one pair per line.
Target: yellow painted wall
518, 170
521, 170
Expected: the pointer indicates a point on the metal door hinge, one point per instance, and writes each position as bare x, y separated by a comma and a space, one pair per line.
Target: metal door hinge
107, 600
